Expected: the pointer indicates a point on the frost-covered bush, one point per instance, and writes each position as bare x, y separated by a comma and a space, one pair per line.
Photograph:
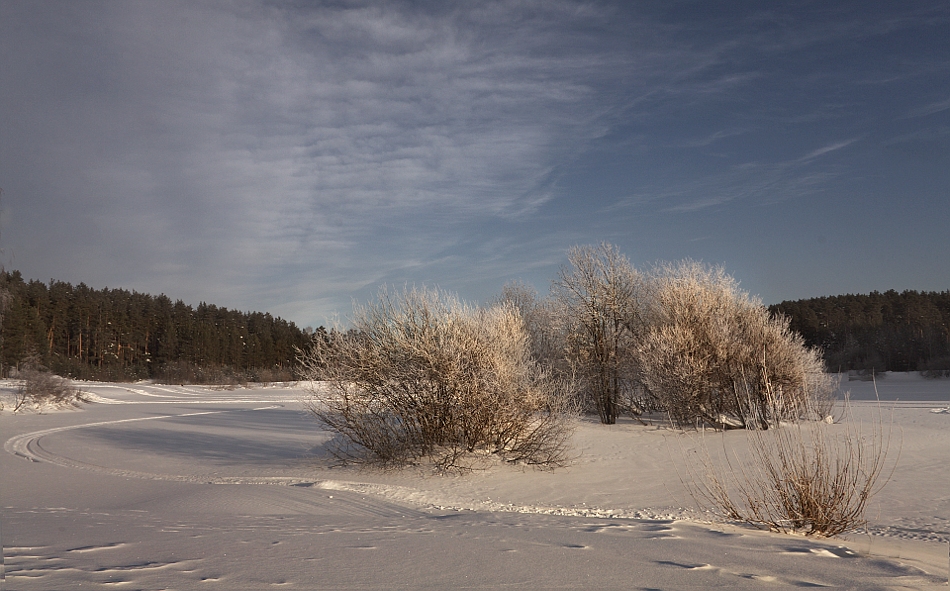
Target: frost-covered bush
544, 322
600, 298
681, 339
422, 376
713, 355
40, 389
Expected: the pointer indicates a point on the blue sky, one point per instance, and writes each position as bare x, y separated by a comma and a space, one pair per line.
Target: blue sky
292, 157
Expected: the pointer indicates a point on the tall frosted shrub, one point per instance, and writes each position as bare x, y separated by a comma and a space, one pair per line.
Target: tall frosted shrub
713, 355
599, 295
423, 376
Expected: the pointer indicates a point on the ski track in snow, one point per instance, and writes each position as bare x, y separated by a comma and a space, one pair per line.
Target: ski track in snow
30, 447
349, 497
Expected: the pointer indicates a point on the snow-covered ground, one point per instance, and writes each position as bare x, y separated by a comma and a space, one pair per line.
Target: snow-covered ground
188, 487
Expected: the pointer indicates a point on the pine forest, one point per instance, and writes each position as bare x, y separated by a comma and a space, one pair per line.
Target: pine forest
117, 335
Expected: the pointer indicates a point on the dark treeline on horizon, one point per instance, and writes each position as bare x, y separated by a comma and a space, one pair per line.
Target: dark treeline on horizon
890, 331
117, 335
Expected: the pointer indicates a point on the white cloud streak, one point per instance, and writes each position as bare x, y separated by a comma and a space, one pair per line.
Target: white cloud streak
826, 149
289, 156
930, 109
217, 143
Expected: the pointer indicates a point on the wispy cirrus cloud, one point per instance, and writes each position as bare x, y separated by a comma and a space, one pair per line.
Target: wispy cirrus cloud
274, 136
826, 149
929, 109
289, 157
756, 182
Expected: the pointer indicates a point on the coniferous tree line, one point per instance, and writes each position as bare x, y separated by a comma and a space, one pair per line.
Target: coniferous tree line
890, 331
114, 334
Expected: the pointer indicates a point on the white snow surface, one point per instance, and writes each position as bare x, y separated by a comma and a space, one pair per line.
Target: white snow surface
190, 487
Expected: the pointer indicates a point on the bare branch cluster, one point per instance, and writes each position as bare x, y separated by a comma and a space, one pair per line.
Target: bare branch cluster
41, 389
714, 356
544, 319
422, 376
682, 339
812, 478
600, 296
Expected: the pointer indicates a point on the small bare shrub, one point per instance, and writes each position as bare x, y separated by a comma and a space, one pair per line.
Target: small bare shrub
184, 372
43, 389
422, 376
935, 368
809, 477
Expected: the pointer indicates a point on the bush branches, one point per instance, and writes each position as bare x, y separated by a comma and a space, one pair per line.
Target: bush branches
813, 478
600, 295
423, 376
41, 389
714, 356
681, 338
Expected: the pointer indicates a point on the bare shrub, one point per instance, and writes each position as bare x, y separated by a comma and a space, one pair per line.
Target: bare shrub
41, 389
422, 376
812, 478
600, 294
184, 372
713, 355
268, 375
544, 322
938, 367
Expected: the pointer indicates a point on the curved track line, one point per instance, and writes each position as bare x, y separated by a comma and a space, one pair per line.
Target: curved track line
29, 446
99, 399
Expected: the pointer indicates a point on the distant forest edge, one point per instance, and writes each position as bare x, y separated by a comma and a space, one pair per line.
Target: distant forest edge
117, 335
890, 331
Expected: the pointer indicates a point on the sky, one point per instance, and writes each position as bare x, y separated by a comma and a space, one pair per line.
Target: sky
293, 157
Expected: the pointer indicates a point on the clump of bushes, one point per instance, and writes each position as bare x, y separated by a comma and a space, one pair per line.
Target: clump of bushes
679, 339
41, 389
419, 371
422, 376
